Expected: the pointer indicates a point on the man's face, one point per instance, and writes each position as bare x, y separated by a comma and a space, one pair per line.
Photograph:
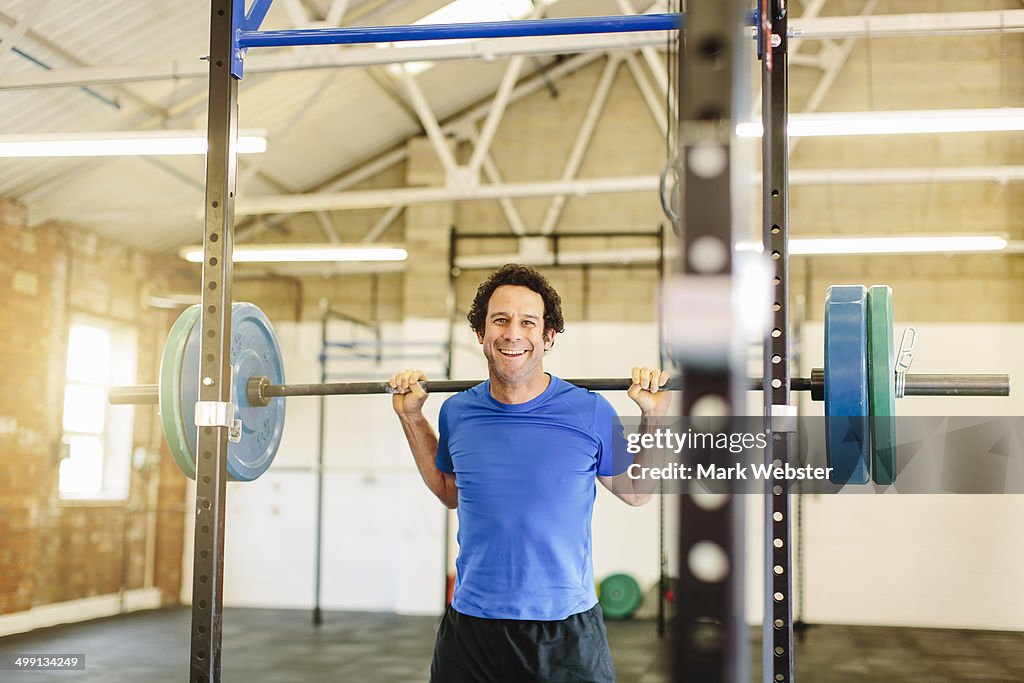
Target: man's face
514, 340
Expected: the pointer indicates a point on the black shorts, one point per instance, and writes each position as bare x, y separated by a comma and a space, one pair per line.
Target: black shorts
474, 650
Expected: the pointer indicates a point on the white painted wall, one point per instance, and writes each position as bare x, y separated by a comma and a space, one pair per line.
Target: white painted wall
922, 560
951, 561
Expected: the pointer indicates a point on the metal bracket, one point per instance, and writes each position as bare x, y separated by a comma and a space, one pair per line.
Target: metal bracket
235, 432
214, 414
783, 418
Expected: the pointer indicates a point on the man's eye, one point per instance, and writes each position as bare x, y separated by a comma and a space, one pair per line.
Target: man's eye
528, 322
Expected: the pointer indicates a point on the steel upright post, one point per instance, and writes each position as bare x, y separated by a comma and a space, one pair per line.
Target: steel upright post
213, 412
777, 628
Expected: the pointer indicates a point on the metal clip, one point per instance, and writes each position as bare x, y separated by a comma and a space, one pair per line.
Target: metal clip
783, 418
235, 431
904, 358
214, 414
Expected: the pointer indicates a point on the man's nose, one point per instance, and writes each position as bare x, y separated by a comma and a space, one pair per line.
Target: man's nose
511, 332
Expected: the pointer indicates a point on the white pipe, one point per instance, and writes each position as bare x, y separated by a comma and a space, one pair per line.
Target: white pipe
651, 56
508, 83
566, 258
583, 138
327, 225
11, 36
512, 215
375, 199
515, 220
909, 176
336, 12
383, 223
656, 105
880, 26
371, 199
422, 107
900, 25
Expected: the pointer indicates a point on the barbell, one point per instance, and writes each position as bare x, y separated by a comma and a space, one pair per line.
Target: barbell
858, 382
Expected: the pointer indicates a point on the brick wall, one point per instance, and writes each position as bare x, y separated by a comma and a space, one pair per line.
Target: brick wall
53, 550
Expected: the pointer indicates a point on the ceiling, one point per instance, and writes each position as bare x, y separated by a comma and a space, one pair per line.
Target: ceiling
321, 123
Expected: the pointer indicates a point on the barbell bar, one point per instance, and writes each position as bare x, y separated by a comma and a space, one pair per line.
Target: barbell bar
256, 421
259, 390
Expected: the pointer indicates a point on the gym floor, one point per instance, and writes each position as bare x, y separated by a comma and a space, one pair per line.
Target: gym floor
280, 646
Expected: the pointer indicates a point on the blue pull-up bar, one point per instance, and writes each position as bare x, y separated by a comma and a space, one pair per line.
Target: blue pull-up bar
488, 29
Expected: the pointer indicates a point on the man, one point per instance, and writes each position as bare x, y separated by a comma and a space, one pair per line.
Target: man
518, 455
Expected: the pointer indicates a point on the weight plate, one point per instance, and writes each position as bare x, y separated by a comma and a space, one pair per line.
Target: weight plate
254, 352
882, 384
172, 410
620, 596
846, 384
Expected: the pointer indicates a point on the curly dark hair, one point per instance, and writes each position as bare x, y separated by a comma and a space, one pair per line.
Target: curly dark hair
522, 276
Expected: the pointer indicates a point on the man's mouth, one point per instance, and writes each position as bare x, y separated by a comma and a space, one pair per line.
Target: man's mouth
511, 354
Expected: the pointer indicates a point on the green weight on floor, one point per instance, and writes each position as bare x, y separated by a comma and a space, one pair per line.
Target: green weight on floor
882, 384
846, 384
620, 596
254, 352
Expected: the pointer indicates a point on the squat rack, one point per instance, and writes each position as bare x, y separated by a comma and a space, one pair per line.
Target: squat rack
715, 32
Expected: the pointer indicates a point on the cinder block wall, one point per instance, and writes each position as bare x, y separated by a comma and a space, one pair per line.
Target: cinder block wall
53, 550
537, 133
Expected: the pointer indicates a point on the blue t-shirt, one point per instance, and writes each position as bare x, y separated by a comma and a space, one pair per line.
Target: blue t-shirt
526, 479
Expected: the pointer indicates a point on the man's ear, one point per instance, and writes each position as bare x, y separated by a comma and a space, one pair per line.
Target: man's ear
479, 337
549, 339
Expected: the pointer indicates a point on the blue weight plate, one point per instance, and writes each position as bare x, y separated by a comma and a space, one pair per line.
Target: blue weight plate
846, 384
254, 352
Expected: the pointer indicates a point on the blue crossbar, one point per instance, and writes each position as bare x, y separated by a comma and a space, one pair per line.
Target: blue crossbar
488, 29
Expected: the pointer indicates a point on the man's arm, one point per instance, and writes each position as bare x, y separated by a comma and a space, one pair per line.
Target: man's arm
408, 405
653, 404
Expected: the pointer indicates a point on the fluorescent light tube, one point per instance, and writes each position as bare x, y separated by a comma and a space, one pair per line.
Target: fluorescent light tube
807, 246
125, 143
896, 122
309, 253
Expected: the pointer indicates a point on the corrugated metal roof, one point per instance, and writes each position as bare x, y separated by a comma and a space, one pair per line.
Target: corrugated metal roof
319, 122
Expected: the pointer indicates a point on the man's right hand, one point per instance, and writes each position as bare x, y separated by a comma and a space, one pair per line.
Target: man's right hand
409, 395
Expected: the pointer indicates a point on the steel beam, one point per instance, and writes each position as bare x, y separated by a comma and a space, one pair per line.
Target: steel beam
375, 199
881, 26
583, 138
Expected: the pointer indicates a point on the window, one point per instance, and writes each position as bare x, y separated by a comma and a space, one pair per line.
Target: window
97, 437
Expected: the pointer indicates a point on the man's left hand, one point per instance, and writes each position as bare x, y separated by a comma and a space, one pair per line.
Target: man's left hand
645, 391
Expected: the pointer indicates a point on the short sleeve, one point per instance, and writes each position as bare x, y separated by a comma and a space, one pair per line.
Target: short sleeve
612, 457
443, 461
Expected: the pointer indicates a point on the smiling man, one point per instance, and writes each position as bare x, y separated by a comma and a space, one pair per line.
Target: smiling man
518, 455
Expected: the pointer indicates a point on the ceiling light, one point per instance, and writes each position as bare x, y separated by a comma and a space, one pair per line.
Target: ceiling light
308, 253
896, 122
805, 246
123, 143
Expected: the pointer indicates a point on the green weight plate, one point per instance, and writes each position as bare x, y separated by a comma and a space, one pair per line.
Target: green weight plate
172, 412
620, 596
882, 384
